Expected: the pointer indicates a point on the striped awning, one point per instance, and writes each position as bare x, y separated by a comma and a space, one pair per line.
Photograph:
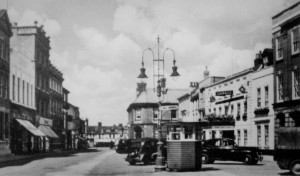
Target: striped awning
30, 127
48, 131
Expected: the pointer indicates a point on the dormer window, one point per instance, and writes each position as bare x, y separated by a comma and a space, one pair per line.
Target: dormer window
295, 41
138, 114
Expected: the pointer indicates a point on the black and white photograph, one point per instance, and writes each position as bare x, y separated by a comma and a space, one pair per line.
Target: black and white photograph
149, 87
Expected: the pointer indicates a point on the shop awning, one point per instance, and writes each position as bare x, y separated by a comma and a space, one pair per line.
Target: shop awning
30, 127
48, 131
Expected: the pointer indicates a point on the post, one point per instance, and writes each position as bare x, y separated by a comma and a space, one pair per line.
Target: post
160, 163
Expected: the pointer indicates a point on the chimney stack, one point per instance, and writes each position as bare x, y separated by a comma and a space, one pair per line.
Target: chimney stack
258, 60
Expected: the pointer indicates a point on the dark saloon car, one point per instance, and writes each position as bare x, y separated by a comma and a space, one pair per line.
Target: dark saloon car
142, 150
226, 149
123, 145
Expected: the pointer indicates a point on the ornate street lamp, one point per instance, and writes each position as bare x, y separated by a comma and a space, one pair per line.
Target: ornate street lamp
160, 89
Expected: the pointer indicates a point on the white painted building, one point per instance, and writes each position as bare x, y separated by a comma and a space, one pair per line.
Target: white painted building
261, 100
228, 113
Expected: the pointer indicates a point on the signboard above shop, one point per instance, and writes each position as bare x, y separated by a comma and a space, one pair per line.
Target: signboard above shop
224, 93
169, 108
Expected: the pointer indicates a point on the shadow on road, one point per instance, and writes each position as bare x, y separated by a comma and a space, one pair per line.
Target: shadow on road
23, 160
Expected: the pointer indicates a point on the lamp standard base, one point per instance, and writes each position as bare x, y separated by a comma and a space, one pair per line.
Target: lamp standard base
159, 164
160, 168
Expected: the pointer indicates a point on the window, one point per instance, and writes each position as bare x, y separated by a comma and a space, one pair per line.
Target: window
6, 122
258, 97
215, 111
220, 110
280, 86
226, 110
266, 96
23, 92
138, 114
245, 107
266, 135
238, 137
238, 109
259, 136
1, 84
279, 48
295, 40
27, 94
296, 83
173, 114
232, 109
1, 124
13, 87
18, 89
245, 137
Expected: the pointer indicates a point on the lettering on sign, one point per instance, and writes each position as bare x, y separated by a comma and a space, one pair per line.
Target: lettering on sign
224, 93
194, 84
168, 108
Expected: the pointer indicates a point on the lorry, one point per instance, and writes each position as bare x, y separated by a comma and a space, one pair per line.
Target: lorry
287, 148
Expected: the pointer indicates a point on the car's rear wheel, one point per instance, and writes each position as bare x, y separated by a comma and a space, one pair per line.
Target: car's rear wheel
295, 167
132, 162
248, 160
205, 158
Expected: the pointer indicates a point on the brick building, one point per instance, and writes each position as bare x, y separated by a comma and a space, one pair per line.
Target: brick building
286, 50
5, 34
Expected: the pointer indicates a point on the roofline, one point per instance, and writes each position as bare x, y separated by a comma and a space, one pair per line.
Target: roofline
284, 10
241, 73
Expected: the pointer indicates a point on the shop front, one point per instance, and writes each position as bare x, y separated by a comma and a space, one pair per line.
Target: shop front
51, 139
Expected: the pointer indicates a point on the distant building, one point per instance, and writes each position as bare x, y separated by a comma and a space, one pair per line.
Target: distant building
65, 109
5, 34
143, 113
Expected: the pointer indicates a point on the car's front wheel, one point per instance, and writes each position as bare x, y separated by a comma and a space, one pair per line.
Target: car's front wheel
295, 167
248, 160
205, 159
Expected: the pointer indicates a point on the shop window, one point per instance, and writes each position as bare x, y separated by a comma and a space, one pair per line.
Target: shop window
238, 137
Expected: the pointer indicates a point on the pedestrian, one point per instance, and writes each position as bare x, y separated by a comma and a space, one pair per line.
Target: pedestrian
111, 144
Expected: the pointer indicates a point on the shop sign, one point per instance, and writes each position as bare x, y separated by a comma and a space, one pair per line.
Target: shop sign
224, 93
45, 121
168, 108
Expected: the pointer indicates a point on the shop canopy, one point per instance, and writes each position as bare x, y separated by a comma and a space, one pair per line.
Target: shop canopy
30, 127
48, 131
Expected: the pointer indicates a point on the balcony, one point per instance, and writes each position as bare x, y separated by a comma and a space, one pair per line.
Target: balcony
220, 120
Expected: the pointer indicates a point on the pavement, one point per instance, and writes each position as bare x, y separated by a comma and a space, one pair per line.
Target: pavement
11, 158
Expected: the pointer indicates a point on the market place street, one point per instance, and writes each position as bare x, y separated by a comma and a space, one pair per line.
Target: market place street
104, 161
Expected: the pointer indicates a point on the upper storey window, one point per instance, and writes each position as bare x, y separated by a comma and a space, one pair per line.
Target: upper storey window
138, 114
295, 40
279, 48
296, 83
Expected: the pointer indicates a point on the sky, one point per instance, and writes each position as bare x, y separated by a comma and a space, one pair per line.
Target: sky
98, 45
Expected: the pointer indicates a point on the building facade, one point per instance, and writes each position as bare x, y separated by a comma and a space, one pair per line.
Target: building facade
144, 113
56, 105
261, 100
226, 103
65, 109
73, 122
23, 91
5, 34
286, 50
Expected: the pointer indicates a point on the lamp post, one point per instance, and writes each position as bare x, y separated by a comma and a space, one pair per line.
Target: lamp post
159, 76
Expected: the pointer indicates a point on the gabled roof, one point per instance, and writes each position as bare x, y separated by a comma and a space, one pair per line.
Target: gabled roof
149, 97
7, 28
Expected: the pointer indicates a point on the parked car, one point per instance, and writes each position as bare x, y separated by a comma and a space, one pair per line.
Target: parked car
227, 149
142, 150
122, 145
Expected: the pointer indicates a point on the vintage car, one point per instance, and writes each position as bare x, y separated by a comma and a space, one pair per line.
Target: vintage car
142, 150
122, 145
226, 149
